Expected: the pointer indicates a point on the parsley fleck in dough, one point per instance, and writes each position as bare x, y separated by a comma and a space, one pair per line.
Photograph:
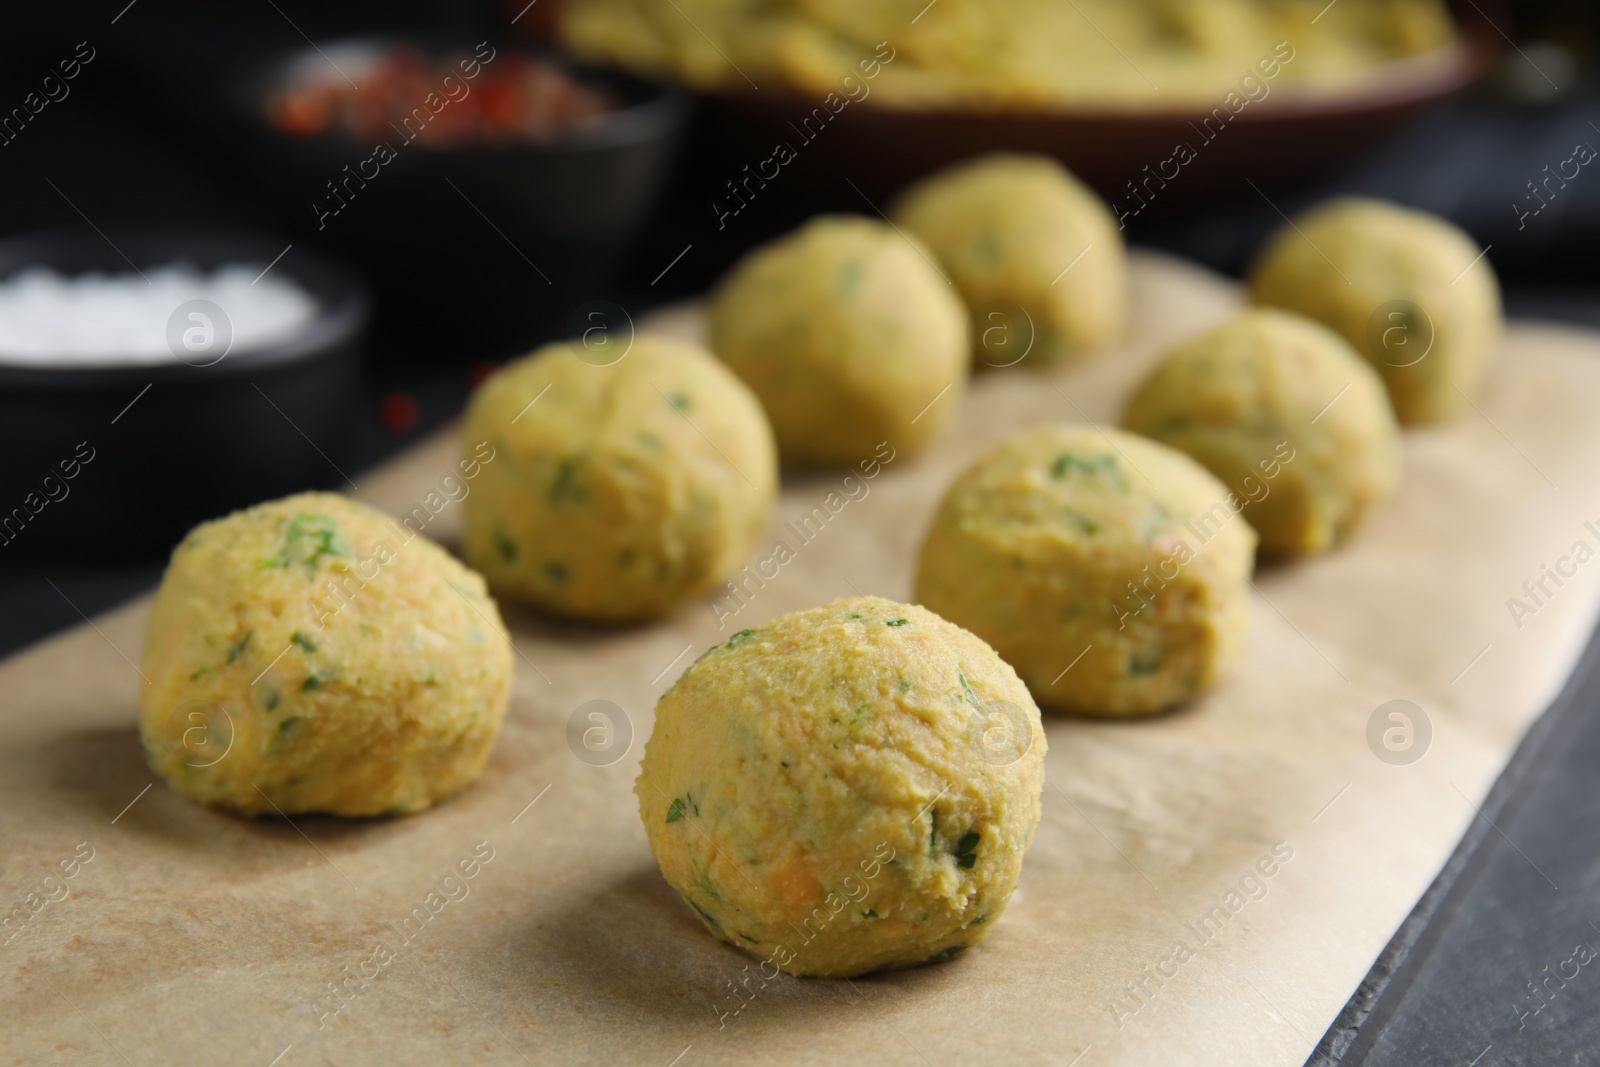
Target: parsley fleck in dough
627, 490
1405, 288
1111, 571
1006, 228
1288, 416
310, 655
850, 337
818, 812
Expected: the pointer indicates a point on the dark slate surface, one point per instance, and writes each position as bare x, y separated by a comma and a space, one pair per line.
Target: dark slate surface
1499, 964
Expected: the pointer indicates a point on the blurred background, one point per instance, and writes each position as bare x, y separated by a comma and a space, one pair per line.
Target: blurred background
184, 118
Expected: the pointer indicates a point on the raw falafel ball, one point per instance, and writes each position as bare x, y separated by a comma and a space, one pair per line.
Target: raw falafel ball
1287, 415
311, 655
1407, 290
1006, 228
622, 491
1111, 571
850, 337
845, 789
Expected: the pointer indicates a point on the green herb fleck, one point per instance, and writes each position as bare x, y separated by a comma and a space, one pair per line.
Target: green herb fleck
1087, 525
238, 647
317, 679
933, 832
868, 913
1144, 662
556, 573
850, 278
1095, 466
197, 673
945, 954
303, 641
967, 850
306, 540
679, 401
565, 486
905, 686
675, 810
856, 615
966, 690
283, 727
505, 546
896, 622
272, 701
748, 938
740, 638
707, 916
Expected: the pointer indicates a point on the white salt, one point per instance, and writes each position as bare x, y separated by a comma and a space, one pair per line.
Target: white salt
101, 320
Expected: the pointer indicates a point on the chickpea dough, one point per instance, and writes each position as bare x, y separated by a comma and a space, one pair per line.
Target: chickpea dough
1111, 571
623, 491
309, 654
1233, 397
845, 789
1007, 228
849, 335
1001, 55
1408, 290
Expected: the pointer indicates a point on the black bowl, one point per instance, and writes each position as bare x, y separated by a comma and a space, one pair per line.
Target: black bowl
154, 448
483, 248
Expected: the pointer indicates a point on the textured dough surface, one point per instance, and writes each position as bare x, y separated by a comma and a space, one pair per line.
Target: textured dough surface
626, 489
1405, 288
846, 788
1109, 570
1233, 397
1006, 228
849, 335
311, 655
1028, 55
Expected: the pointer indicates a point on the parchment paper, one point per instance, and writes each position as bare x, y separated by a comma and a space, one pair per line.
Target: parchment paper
195, 937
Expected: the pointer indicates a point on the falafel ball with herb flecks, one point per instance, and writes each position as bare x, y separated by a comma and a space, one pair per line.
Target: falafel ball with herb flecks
849, 335
1412, 292
1285, 412
311, 655
622, 485
1111, 571
1036, 254
845, 789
